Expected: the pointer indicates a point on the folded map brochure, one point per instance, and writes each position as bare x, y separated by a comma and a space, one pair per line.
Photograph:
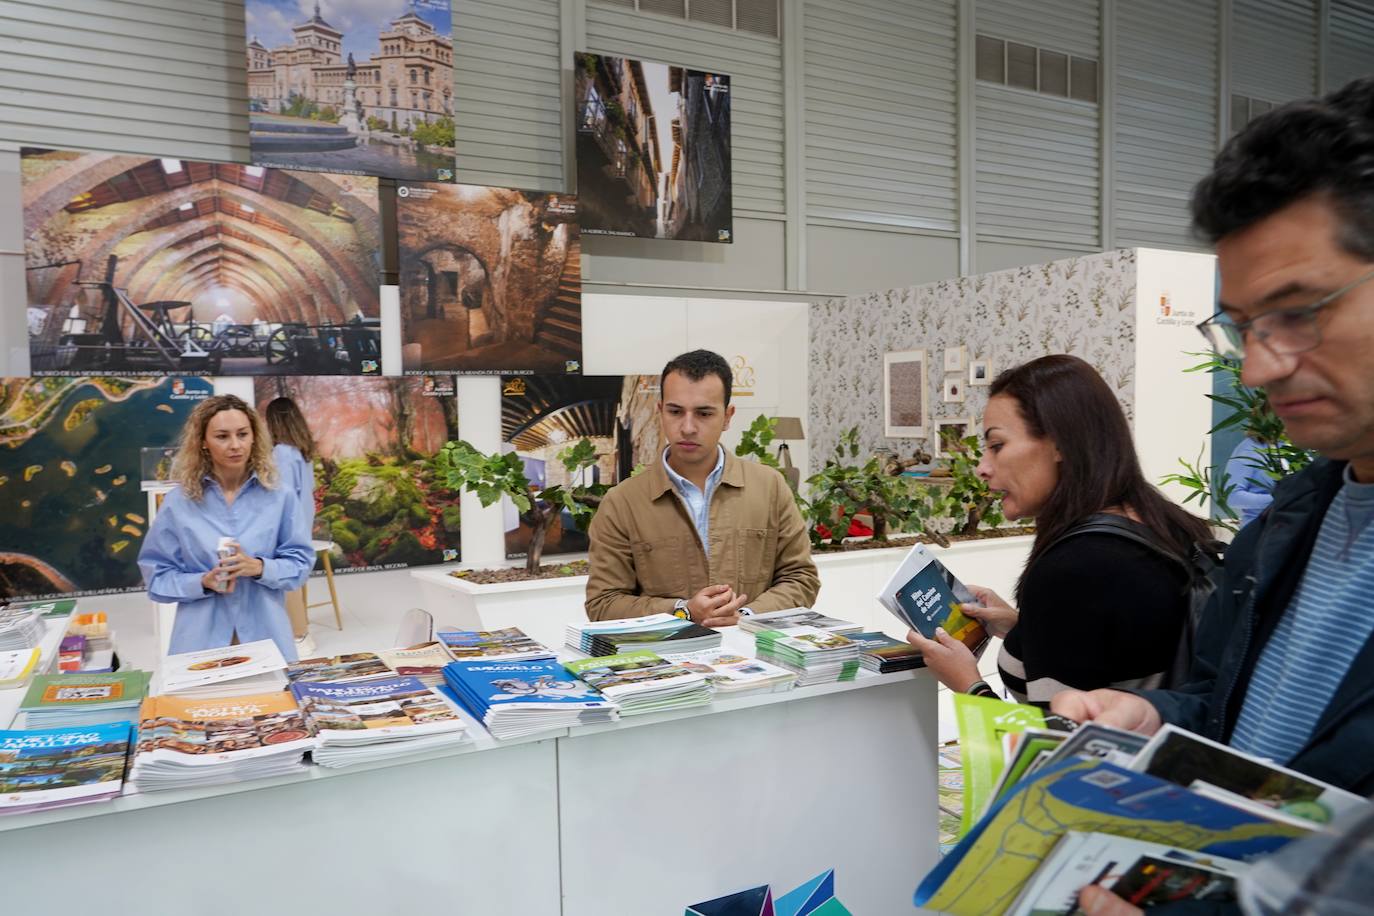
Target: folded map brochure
205, 732
925, 595
373, 711
1143, 874
1187, 759
339, 669
983, 721
49, 767
986, 871
208, 667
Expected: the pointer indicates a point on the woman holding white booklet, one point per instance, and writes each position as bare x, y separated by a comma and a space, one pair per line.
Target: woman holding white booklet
1099, 606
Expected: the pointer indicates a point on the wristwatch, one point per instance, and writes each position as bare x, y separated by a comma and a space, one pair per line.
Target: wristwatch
680, 609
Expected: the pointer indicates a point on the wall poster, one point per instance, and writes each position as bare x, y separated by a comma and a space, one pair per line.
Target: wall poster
147, 266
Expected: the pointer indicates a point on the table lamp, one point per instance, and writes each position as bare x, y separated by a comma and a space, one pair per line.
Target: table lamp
785, 428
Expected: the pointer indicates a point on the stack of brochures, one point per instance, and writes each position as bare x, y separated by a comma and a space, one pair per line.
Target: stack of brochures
17, 667
924, 595
731, 675
796, 617
48, 608
641, 681
51, 767
815, 656
185, 742
253, 667
76, 700
360, 722
506, 645
882, 654
513, 699
339, 669
1193, 810
654, 633
20, 628
425, 661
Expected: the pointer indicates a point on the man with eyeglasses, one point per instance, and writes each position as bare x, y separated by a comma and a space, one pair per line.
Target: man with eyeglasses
1285, 664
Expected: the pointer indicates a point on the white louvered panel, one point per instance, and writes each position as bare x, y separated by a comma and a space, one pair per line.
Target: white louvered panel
1274, 49
1349, 42
1037, 167
159, 77
754, 65
881, 112
508, 93
1166, 117
1058, 25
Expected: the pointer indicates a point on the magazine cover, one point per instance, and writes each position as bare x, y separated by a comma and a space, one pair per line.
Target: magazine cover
425, 661
1186, 759
216, 731
632, 672
83, 691
978, 876
542, 682
356, 666
729, 671
48, 767
227, 663
396, 707
924, 595
508, 644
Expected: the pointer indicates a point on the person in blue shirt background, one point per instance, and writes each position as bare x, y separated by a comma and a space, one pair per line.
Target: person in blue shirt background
1254, 489
294, 453
227, 489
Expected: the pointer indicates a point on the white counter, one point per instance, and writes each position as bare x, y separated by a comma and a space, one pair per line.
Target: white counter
646, 815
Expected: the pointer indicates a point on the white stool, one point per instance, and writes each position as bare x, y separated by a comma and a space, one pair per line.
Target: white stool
322, 549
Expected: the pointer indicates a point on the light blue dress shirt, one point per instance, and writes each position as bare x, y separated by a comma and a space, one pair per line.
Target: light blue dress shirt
180, 549
698, 503
297, 476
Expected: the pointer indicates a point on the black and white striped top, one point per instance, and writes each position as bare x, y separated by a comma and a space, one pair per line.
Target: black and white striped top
1097, 610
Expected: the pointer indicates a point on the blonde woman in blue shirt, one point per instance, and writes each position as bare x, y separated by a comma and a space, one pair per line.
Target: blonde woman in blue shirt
228, 489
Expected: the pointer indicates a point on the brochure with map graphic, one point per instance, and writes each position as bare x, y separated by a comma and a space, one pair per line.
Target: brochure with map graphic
924, 595
983, 723
981, 876
52, 767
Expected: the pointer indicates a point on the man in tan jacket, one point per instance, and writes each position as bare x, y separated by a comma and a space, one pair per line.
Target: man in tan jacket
699, 533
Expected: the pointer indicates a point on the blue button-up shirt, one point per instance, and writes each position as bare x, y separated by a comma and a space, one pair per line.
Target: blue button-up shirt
180, 549
698, 503
297, 476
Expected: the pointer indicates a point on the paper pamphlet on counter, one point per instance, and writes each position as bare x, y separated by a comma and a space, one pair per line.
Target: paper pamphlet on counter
983, 722
924, 594
1186, 759
51, 767
216, 666
207, 732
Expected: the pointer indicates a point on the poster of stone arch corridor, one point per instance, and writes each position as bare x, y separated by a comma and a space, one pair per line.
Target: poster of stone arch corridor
147, 266
491, 280
357, 86
70, 472
378, 496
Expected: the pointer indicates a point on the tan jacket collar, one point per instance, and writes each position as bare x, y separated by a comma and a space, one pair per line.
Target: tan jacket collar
733, 474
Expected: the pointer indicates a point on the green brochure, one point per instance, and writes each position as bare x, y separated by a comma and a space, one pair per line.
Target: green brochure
983, 722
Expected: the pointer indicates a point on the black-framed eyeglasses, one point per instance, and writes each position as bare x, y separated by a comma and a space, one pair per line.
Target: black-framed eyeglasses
1284, 331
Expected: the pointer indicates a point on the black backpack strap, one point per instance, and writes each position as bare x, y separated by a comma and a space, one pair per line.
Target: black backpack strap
1120, 526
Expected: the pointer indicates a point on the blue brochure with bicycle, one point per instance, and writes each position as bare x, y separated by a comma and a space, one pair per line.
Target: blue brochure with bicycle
543, 682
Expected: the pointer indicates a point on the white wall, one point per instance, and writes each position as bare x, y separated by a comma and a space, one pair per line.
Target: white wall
1172, 412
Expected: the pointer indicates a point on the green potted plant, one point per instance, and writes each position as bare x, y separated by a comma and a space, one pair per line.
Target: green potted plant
843, 489
463, 467
967, 501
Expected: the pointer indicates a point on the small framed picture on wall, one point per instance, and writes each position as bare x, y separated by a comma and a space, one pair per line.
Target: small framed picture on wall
904, 394
949, 430
954, 358
954, 389
980, 372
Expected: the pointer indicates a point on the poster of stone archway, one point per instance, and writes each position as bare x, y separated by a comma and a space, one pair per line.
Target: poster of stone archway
363, 88
154, 266
491, 280
70, 472
542, 415
378, 496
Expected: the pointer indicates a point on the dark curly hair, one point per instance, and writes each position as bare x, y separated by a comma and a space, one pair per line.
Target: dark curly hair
1314, 146
696, 365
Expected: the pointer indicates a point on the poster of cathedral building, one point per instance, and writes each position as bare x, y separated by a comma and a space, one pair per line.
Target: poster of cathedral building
491, 280
354, 86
